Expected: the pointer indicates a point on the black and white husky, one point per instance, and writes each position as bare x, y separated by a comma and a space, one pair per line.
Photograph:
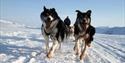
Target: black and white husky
52, 27
83, 30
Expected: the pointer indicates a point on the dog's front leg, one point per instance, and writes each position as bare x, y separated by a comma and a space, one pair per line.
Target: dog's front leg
82, 56
52, 50
47, 43
77, 47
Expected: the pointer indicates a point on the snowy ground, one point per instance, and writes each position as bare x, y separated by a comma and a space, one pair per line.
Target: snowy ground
19, 44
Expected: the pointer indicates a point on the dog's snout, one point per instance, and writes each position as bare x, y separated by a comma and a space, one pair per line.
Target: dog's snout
48, 19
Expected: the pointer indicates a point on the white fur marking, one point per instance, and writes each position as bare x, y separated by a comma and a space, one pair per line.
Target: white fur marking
88, 21
87, 26
51, 18
78, 47
60, 39
79, 26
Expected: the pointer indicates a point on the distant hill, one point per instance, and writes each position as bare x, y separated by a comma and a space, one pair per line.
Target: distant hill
109, 30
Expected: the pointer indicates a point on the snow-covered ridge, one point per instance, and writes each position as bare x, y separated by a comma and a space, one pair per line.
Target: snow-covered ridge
8, 26
111, 30
11, 23
4, 21
8, 23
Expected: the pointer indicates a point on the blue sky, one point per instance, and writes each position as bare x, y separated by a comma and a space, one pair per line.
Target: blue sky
104, 12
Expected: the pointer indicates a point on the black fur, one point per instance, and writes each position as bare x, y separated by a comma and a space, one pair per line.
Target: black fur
62, 30
91, 31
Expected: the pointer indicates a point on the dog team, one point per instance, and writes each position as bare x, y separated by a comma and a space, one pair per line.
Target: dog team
57, 30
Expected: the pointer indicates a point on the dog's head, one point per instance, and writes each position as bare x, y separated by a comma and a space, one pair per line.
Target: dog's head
67, 21
48, 16
84, 17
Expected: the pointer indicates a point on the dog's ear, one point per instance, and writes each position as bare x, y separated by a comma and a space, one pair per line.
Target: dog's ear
89, 12
53, 9
44, 8
78, 11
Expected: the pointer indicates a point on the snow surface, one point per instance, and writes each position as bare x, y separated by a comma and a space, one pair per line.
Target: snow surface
20, 44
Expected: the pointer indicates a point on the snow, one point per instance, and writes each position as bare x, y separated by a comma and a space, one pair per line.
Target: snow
21, 44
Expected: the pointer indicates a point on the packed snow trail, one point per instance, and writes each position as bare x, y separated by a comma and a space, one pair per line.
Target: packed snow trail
21, 44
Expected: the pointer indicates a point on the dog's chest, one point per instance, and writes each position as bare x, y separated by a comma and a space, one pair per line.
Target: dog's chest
82, 29
55, 31
53, 34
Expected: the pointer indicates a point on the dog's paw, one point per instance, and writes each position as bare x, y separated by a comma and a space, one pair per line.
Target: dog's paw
89, 45
49, 55
77, 53
82, 56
